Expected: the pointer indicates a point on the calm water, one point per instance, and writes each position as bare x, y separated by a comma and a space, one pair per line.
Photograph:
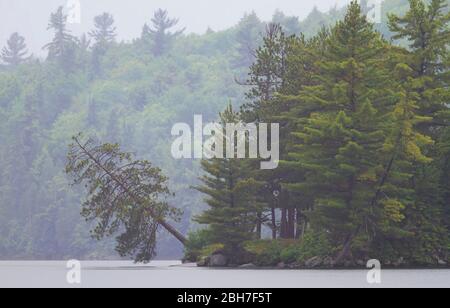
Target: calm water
172, 274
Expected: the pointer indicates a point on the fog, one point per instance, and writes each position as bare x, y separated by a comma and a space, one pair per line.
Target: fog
30, 18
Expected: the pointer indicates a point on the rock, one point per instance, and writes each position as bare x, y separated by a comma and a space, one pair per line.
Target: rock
281, 265
328, 262
248, 266
314, 262
442, 262
295, 265
218, 260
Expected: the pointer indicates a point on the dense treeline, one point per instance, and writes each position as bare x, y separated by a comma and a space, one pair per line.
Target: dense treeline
364, 148
132, 94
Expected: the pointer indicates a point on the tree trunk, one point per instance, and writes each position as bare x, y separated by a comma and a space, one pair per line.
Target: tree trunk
291, 224
274, 223
284, 224
259, 226
180, 237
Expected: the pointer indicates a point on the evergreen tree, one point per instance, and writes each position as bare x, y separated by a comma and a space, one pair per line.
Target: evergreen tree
104, 36
266, 75
16, 50
233, 206
342, 152
105, 31
159, 37
425, 28
124, 195
62, 49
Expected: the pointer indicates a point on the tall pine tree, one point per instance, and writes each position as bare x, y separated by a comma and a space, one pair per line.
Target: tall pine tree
159, 37
232, 199
16, 50
345, 154
63, 47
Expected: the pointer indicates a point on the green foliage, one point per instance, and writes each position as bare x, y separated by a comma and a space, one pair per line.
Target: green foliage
196, 243
271, 253
231, 197
158, 37
125, 196
265, 252
360, 123
62, 49
128, 95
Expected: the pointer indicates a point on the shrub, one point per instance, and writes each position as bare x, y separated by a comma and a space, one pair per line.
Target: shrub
313, 245
197, 242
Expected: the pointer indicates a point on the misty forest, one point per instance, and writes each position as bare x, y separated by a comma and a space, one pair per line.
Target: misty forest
86, 169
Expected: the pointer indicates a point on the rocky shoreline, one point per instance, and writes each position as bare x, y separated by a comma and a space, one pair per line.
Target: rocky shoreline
315, 263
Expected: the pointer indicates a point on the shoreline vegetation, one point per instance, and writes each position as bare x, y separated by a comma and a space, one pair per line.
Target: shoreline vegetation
359, 152
364, 158
363, 112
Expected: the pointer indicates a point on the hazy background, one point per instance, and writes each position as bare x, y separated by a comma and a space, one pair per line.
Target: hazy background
30, 17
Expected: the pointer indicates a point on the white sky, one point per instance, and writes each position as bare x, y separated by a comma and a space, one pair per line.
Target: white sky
30, 17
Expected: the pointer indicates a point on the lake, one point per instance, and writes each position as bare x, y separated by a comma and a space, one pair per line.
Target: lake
171, 274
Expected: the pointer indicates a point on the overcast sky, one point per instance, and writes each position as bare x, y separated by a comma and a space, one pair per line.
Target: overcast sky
30, 17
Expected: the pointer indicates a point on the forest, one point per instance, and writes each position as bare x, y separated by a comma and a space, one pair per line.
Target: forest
364, 163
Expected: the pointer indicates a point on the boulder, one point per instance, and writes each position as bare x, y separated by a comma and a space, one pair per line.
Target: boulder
314, 262
281, 265
328, 262
248, 266
218, 260
442, 262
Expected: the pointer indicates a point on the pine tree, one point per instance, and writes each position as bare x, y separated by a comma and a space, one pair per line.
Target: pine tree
125, 196
266, 74
63, 46
266, 78
105, 31
104, 36
159, 37
16, 50
233, 206
342, 152
425, 28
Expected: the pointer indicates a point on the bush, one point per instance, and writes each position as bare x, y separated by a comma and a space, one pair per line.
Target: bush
197, 242
313, 245
271, 253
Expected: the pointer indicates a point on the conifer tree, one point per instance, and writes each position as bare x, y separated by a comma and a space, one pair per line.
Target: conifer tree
158, 37
342, 151
104, 35
231, 197
63, 46
105, 31
425, 28
16, 50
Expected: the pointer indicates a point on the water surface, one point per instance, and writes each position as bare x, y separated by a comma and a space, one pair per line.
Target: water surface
171, 274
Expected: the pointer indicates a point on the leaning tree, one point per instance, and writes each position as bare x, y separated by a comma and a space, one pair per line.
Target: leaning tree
124, 196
